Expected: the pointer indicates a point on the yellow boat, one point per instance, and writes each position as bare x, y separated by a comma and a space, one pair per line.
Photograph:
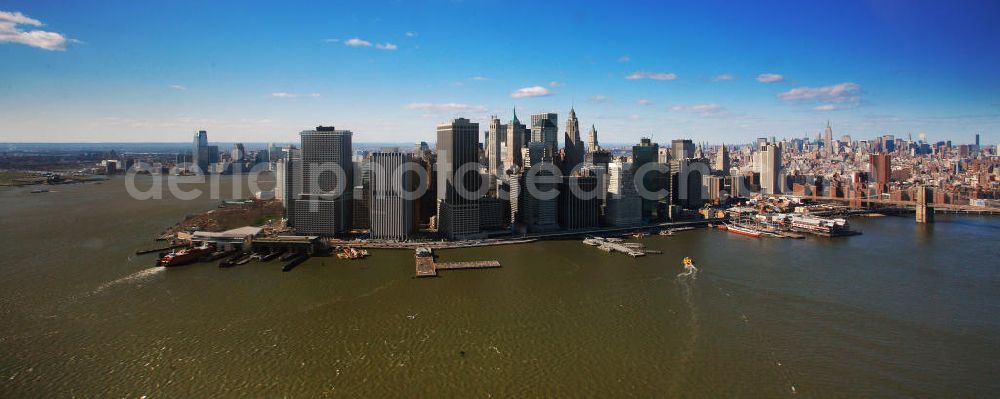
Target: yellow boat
688, 262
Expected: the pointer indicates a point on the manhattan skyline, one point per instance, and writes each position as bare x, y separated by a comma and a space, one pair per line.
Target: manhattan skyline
392, 71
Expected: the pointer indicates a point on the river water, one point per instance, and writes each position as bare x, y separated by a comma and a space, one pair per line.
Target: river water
902, 311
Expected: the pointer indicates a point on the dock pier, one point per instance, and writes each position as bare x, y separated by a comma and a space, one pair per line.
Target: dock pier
427, 267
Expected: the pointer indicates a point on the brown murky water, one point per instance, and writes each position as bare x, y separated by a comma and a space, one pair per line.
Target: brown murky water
901, 311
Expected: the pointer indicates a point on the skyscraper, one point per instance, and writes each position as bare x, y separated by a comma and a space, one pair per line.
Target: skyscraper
881, 171
828, 139
682, 149
647, 152
391, 215
769, 165
624, 206
200, 151
722, 160
324, 204
515, 141
578, 211
457, 147
592, 144
573, 145
496, 137
545, 130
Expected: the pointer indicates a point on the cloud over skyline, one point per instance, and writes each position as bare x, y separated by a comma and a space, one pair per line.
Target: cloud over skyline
533, 91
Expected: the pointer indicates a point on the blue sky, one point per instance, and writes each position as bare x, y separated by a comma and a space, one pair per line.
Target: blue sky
389, 71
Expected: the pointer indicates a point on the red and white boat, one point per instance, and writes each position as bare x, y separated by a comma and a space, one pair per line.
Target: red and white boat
746, 231
185, 256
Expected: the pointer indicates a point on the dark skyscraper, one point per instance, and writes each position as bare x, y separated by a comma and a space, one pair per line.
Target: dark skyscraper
200, 151
574, 147
644, 153
391, 214
324, 205
545, 130
458, 178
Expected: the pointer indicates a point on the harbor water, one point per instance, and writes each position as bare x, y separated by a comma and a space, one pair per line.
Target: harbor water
904, 310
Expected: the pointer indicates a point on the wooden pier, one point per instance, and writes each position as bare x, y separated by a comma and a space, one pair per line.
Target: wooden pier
427, 267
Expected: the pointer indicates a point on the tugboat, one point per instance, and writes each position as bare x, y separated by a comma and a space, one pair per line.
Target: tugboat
185, 256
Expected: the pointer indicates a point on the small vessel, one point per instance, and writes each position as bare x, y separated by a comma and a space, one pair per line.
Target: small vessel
688, 262
185, 256
39, 191
351, 253
667, 232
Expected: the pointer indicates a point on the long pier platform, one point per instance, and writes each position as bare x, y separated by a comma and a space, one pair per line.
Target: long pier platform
427, 267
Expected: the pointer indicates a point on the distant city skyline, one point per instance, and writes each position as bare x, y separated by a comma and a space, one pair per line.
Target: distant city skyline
717, 73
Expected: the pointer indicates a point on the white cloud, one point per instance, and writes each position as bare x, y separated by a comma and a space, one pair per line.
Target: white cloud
11, 33
724, 77
533, 91
479, 78
554, 84
825, 107
770, 78
411, 34
645, 102
700, 109
637, 75
285, 94
445, 107
624, 59
178, 87
386, 46
599, 99
841, 93
331, 40
357, 42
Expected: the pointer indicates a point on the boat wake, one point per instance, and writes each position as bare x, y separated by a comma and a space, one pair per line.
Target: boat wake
690, 271
138, 276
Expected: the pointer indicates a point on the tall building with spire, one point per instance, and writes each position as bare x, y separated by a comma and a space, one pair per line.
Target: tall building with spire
592, 144
516, 132
573, 145
828, 139
496, 137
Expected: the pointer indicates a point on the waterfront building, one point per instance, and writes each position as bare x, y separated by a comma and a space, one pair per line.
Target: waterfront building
768, 164
529, 212
324, 204
579, 211
573, 146
646, 152
457, 146
493, 214
391, 214
623, 204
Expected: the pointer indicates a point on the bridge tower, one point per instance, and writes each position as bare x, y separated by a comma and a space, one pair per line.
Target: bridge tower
925, 212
